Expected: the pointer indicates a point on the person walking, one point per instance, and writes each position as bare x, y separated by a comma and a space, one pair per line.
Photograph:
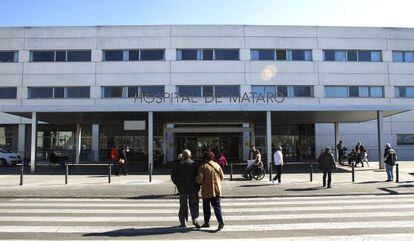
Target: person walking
278, 159
210, 176
326, 165
390, 158
122, 161
222, 161
183, 176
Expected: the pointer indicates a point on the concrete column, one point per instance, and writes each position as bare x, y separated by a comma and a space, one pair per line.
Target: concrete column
21, 140
246, 142
380, 129
33, 143
95, 142
150, 139
78, 142
269, 138
336, 128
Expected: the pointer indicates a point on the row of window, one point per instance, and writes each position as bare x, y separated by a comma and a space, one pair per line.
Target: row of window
207, 90
207, 54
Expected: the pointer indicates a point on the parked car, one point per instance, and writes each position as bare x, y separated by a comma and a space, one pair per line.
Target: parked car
8, 158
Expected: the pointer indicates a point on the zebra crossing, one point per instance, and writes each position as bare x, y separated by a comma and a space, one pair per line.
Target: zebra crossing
364, 217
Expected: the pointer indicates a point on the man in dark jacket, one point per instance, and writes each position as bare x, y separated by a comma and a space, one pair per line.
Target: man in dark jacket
390, 157
183, 176
327, 164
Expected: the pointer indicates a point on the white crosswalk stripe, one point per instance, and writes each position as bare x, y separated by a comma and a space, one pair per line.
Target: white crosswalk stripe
365, 217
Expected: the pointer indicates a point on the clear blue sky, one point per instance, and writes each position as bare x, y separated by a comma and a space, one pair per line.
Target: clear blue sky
398, 13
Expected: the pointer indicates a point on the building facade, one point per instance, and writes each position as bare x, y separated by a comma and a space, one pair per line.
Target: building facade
83, 90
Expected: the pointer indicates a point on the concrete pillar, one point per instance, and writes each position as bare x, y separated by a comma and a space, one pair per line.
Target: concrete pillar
95, 142
336, 128
33, 143
380, 135
78, 142
21, 138
150, 139
269, 138
246, 141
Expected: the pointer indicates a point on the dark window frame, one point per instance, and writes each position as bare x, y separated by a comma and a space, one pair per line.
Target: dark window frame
15, 58
8, 89
66, 52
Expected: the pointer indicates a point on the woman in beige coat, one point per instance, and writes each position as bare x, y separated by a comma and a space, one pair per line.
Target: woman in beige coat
209, 177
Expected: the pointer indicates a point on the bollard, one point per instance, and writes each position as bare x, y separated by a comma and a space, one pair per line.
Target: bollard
311, 172
109, 173
270, 171
353, 171
397, 173
21, 174
231, 171
66, 173
150, 172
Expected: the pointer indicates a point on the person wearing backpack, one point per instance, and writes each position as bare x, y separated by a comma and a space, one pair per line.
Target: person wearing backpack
390, 158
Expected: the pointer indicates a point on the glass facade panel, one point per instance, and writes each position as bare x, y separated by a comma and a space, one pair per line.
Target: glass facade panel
364, 56
187, 54
353, 91
336, 91
409, 57
60, 56
376, 56
188, 91
298, 55
113, 92
363, 91
113, 55
281, 55
78, 92
254, 54
397, 56
266, 54
152, 55
8, 56
409, 92
340, 55
59, 92
208, 54
376, 92
329, 55
43, 56
8, 92
352, 56
226, 54
41, 92
79, 56
133, 55
302, 91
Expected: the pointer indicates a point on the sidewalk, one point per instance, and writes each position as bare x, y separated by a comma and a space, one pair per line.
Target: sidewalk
368, 180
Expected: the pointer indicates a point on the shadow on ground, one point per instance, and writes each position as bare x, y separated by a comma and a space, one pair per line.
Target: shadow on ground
136, 232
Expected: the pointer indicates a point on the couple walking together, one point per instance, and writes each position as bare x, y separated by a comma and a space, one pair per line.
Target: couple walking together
188, 176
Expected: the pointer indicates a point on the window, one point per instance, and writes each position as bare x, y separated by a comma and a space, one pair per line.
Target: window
133, 55
227, 90
8, 56
352, 55
282, 90
188, 91
113, 92
226, 54
61, 56
8, 92
263, 90
403, 56
354, 91
404, 91
77, 92
208, 54
151, 55
405, 139
262, 54
41, 92
291, 55
152, 90
113, 55
281, 55
208, 91
133, 91
300, 91
188, 54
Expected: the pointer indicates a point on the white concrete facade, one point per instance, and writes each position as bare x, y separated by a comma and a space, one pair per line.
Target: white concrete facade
244, 72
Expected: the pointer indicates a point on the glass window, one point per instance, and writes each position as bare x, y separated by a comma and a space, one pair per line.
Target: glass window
187, 54
152, 90
79, 56
132, 91
409, 92
189, 91
59, 92
376, 56
281, 54
41, 92
308, 55
363, 91
43, 56
112, 92
409, 57
298, 55
226, 54
329, 55
133, 55
405, 139
258, 89
400, 91
352, 56
227, 90
8, 56
353, 91
340, 55
151, 55
8, 92
336, 91
364, 56
302, 91
113, 55
78, 92
397, 56
208, 91
376, 92
60, 56
270, 89
254, 54
207, 54
265, 54
282, 90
